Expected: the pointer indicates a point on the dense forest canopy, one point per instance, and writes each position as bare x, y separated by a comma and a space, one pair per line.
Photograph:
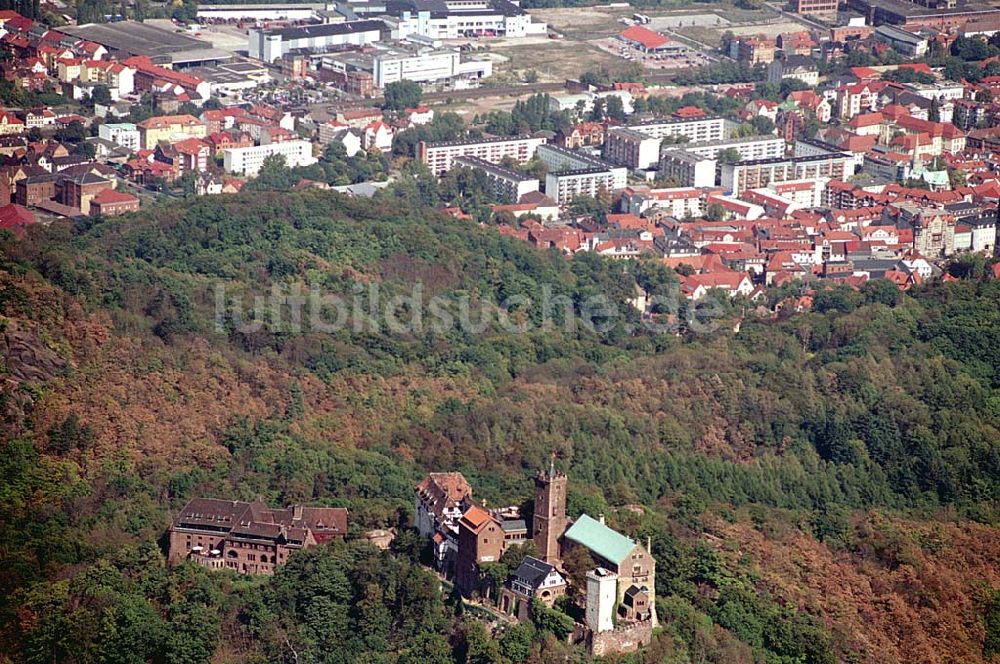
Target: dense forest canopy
862, 436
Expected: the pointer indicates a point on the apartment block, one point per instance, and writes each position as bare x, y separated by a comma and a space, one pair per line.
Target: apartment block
687, 169
757, 173
627, 147
439, 156
694, 129
749, 147
574, 174
124, 134
247, 161
508, 185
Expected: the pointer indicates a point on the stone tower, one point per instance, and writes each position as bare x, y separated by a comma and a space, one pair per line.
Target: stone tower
602, 598
549, 522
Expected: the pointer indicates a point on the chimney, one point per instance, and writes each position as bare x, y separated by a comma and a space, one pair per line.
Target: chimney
297, 512
600, 518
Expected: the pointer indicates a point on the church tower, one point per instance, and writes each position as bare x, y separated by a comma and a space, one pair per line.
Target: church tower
549, 522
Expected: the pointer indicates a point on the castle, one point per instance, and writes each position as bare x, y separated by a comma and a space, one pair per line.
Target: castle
620, 590
249, 538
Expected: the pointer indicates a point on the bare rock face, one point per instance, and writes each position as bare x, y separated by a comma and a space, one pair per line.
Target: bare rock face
26, 361
26, 357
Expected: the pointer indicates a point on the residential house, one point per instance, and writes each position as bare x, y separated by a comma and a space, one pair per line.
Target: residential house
169, 128
532, 580
798, 67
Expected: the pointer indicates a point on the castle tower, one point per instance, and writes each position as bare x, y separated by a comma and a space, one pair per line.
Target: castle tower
602, 598
549, 522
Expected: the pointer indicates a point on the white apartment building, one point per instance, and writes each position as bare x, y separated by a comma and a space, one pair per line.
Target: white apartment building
695, 129
942, 90
678, 202
574, 174
439, 156
124, 134
736, 178
750, 147
688, 169
627, 147
638, 146
508, 185
564, 186
247, 161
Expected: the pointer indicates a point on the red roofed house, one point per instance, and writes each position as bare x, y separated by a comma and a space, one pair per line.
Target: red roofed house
378, 135
867, 124
10, 124
109, 202
696, 286
419, 115
221, 119
222, 140
858, 98
687, 112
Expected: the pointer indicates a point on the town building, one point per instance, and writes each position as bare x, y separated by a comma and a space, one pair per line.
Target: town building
692, 129
169, 128
441, 499
571, 174
648, 41
903, 41
480, 540
108, 203
625, 146
687, 169
753, 174
439, 155
815, 6
753, 50
508, 185
248, 160
798, 67
749, 147
249, 538
271, 44
533, 579
450, 19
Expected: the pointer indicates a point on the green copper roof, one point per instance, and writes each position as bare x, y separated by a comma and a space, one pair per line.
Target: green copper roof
605, 542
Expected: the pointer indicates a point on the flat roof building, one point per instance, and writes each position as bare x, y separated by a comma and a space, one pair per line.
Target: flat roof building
248, 160
508, 185
271, 44
573, 174
757, 173
440, 155
125, 39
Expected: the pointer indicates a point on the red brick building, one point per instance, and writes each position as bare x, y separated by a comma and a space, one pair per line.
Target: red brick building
78, 191
249, 538
480, 540
109, 202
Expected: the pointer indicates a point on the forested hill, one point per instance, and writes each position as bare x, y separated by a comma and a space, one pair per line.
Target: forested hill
819, 488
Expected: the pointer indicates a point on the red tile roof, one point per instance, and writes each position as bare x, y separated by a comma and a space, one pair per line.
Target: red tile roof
644, 36
107, 196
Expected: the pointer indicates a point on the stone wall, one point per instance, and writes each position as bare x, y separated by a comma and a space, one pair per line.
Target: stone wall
626, 638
